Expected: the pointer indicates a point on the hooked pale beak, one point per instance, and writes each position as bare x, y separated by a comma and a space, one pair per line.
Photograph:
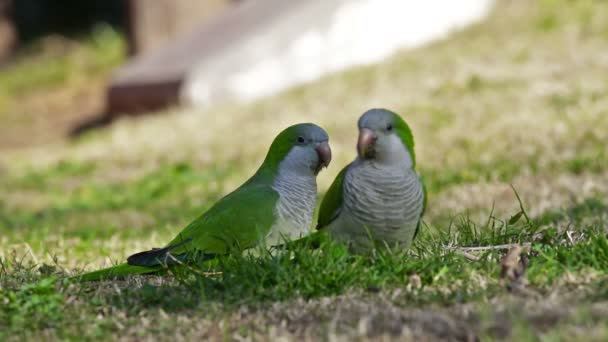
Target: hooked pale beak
324, 153
365, 144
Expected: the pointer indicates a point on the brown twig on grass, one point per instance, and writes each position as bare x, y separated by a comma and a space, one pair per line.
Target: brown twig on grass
468, 255
487, 248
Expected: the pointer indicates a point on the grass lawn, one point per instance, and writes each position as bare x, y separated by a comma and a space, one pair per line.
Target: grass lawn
517, 104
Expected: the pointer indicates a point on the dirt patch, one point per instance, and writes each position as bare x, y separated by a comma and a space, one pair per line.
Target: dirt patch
380, 317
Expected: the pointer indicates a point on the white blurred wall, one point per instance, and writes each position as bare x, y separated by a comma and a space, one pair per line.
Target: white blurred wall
319, 37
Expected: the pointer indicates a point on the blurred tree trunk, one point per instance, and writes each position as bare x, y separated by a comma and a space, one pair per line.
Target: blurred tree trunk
154, 23
8, 34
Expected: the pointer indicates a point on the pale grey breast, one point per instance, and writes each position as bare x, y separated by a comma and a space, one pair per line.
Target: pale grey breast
383, 198
297, 198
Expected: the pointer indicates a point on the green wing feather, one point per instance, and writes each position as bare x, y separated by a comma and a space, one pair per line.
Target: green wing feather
238, 221
332, 202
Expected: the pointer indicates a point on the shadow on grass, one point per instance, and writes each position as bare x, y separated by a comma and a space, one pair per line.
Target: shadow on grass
447, 276
304, 273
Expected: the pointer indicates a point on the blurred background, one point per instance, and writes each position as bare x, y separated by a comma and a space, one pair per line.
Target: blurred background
135, 57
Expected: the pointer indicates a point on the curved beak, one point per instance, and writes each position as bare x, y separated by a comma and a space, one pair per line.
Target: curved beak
324, 153
365, 144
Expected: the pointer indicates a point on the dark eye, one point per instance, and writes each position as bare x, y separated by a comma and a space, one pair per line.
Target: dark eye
389, 127
301, 140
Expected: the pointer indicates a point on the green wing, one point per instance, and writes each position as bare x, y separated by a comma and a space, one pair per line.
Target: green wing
332, 202
238, 221
424, 201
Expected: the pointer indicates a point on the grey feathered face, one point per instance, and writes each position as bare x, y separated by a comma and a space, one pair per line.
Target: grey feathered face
378, 139
377, 120
310, 152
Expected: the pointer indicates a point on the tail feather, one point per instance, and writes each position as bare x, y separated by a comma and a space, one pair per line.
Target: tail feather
118, 271
150, 258
157, 256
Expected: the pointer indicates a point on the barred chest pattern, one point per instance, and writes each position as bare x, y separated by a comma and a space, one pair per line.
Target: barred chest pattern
295, 208
387, 200
297, 198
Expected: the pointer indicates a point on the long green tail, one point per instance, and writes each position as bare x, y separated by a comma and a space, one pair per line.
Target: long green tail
313, 241
118, 271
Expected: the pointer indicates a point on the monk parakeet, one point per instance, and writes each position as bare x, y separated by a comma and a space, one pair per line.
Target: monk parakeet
275, 204
379, 198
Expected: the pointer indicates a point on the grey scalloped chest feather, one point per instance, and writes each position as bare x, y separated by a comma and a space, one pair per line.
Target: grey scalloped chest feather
385, 201
297, 197
296, 205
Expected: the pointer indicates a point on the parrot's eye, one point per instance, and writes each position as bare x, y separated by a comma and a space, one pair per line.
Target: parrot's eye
389, 127
301, 140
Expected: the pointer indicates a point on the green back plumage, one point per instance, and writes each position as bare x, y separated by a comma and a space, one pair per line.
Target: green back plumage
237, 221
332, 201
403, 131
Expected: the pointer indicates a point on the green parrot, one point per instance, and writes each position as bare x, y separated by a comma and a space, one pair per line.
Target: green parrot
379, 198
275, 204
